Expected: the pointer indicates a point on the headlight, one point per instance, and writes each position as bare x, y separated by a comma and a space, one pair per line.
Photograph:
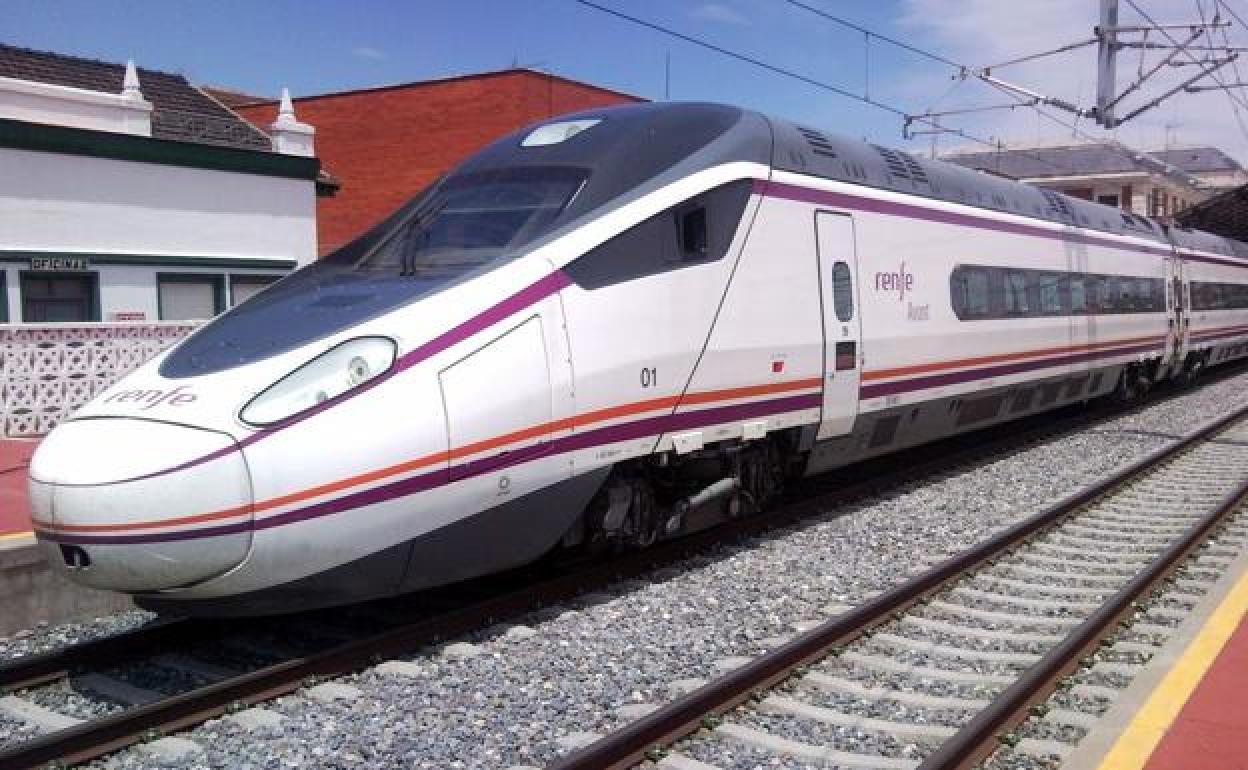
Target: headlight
327, 376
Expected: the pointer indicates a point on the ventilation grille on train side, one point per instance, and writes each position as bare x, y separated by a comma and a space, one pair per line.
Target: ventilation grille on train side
819, 143
1058, 205
903, 166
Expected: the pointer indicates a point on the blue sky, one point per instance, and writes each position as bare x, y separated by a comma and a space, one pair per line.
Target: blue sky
315, 46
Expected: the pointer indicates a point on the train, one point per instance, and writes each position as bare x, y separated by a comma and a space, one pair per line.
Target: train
596, 330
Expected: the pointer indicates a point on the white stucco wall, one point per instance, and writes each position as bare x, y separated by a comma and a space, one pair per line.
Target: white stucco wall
70, 203
11, 296
36, 102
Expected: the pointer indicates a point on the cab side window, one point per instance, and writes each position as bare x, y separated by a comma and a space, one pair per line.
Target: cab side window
695, 232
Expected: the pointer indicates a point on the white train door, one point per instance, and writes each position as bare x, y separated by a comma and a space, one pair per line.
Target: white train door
839, 296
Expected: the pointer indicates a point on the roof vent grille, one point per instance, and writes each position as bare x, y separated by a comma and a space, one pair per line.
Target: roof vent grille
819, 143
1058, 205
902, 165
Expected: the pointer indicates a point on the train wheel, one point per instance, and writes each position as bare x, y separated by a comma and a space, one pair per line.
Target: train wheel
1195, 367
762, 477
1128, 389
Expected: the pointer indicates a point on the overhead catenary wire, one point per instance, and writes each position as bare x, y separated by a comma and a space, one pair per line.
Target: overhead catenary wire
1239, 118
1144, 15
775, 69
1042, 54
995, 145
963, 69
872, 33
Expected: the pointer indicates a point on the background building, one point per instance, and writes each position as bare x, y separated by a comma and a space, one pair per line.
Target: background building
1158, 184
130, 195
1225, 214
386, 144
132, 205
1216, 170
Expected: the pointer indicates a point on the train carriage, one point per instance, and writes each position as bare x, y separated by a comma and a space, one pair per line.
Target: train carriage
595, 331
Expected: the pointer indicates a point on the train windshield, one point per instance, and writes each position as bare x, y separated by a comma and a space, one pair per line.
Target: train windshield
463, 223
468, 221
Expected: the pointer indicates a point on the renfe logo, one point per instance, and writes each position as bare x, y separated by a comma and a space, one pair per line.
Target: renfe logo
151, 398
900, 282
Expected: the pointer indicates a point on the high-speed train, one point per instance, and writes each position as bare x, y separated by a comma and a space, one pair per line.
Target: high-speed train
594, 329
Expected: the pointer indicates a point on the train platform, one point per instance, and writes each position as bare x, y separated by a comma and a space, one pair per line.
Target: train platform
14, 505
1189, 709
30, 591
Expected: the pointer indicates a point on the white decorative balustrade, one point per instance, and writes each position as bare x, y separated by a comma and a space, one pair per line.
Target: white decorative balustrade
49, 370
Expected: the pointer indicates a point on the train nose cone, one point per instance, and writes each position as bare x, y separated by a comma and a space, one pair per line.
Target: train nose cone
137, 505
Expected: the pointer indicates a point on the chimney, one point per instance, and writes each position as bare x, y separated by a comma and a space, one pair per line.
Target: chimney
290, 137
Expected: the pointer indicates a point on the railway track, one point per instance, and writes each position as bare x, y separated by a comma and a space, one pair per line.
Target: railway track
221, 670
942, 667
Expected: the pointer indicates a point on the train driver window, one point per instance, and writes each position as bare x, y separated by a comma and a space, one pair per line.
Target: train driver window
696, 232
1016, 293
842, 292
693, 237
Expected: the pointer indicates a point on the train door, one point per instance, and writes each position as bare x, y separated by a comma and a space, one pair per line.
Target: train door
1177, 305
492, 430
839, 297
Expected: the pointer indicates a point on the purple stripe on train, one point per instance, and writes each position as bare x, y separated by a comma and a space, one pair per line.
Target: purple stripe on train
911, 211
652, 426
525, 298
954, 378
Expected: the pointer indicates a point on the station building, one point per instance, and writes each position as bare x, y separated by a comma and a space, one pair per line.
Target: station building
1154, 184
132, 207
385, 144
130, 195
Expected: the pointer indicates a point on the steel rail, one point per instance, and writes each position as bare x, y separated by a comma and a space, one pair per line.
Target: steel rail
57, 664
979, 737
97, 737
630, 744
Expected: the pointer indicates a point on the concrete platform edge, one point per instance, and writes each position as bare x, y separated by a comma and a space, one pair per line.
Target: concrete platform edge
1096, 745
31, 592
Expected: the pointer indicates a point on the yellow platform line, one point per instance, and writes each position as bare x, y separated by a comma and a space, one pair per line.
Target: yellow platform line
1137, 742
16, 535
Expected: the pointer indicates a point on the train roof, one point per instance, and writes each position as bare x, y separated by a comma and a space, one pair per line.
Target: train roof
811, 151
805, 150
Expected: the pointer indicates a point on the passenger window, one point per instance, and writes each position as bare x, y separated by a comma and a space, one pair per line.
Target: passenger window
1016, 293
1126, 288
977, 292
1078, 295
1050, 294
1147, 301
1109, 294
842, 292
